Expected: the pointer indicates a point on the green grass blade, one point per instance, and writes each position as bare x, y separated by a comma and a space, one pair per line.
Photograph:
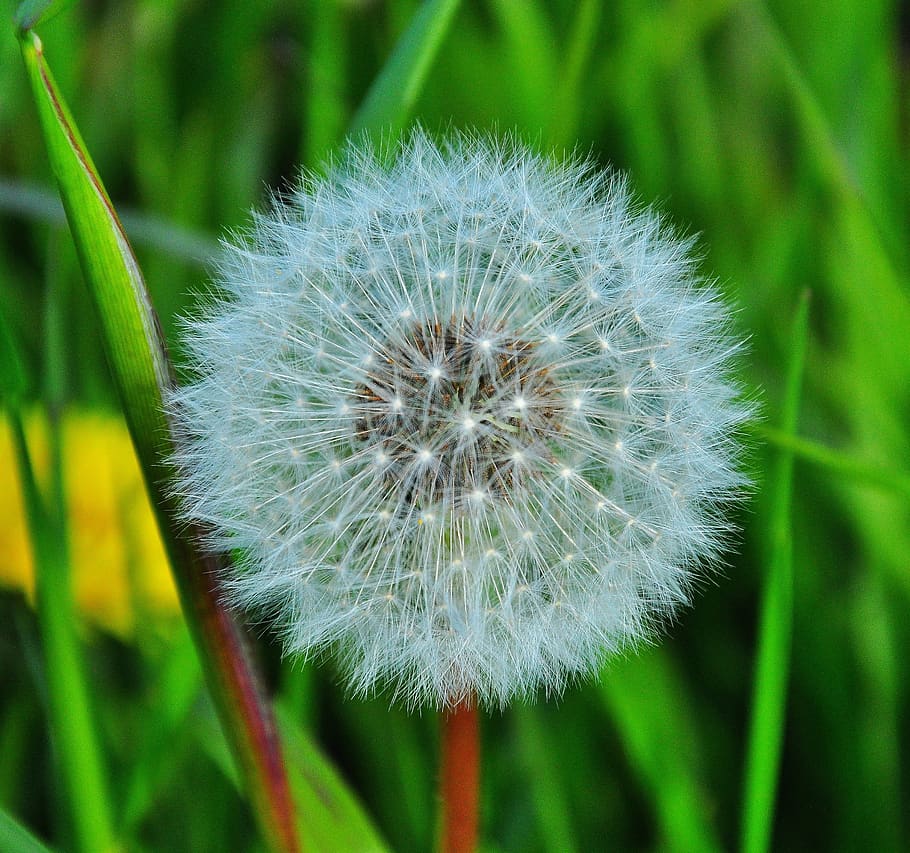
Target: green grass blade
553, 814
401, 781
568, 105
15, 838
326, 114
138, 361
839, 462
36, 203
75, 742
645, 699
862, 227
131, 335
179, 681
77, 753
532, 58
388, 104
335, 818
339, 821
776, 619
13, 378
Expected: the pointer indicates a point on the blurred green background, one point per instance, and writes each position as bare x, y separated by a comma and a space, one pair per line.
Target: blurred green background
778, 132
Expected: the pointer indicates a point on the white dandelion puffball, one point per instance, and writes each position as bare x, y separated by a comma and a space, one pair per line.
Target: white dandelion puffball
466, 415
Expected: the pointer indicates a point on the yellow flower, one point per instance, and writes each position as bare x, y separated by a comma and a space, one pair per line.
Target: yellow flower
119, 567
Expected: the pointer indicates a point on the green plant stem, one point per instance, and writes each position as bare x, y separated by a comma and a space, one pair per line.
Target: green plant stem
77, 751
775, 626
459, 778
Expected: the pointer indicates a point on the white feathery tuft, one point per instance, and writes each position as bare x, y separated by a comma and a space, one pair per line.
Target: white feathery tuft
468, 416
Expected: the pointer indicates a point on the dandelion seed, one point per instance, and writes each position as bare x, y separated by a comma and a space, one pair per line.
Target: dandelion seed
464, 413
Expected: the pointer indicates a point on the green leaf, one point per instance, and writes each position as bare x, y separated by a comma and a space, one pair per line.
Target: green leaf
177, 686
388, 104
335, 818
839, 462
776, 622
13, 380
327, 56
566, 108
532, 58
15, 838
540, 765
646, 700
77, 755
30, 13
136, 353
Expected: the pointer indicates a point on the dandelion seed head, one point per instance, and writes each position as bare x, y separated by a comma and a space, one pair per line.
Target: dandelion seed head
467, 414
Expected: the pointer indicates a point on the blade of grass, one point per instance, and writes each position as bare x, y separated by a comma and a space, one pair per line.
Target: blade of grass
336, 819
775, 626
832, 166
15, 838
13, 379
645, 699
388, 105
76, 749
568, 105
318, 789
177, 684
325, 108
526, 37
138, 361
68, 695
35, 202
553, 816
400, 781
16, 722
838, 462
880, 720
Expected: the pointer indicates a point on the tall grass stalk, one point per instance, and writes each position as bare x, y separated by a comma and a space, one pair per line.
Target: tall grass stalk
776, 620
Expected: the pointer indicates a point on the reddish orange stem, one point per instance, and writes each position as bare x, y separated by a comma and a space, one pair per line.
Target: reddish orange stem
459, 778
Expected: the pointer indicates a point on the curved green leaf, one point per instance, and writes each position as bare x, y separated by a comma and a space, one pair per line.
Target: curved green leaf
646, 699
393, 94
337, 820
15, 838
139, 364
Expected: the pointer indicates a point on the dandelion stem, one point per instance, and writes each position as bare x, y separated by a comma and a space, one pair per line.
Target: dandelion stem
459, 778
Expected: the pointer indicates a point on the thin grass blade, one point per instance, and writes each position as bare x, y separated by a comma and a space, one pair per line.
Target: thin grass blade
15, 838
76, 748
340, 821
390, 101
335, 818
776, 621
554, 817
840, 462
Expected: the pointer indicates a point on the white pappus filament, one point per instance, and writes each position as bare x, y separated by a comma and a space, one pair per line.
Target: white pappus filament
466, 413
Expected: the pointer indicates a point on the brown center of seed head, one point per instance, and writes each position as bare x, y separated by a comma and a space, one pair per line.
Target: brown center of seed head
454, 413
